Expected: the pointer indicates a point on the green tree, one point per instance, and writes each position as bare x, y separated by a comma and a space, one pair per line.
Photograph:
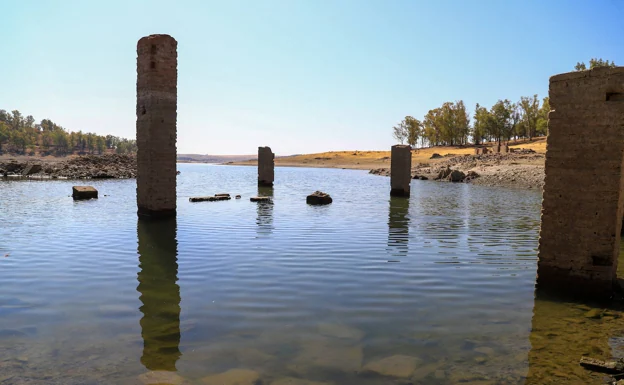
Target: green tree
414, 127
530, 114
542, 119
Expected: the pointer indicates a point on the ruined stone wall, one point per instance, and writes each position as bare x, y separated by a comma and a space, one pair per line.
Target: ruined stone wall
400, 170
266, 166
157, 77
582, 202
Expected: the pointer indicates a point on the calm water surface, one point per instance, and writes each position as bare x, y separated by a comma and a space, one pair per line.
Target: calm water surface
435, 289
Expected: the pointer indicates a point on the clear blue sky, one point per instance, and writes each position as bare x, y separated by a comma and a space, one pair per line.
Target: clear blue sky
299, 76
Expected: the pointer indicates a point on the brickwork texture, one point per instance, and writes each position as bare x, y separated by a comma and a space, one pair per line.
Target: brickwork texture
157, 76
582, 199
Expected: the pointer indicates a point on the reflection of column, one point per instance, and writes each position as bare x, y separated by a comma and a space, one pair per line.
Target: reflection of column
160, 294
563, 332
398, 225
265, 211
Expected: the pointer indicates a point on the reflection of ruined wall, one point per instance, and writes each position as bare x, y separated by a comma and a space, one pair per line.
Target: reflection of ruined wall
400, 170
156, 125
266, 166
582, 206
159, 294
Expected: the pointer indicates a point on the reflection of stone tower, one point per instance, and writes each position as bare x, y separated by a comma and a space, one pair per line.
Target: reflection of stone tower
398, 225
160, 294
561, 334
265, 210
157, 77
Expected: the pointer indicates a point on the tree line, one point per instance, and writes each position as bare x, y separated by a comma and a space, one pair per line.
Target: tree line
22, 135
452, 125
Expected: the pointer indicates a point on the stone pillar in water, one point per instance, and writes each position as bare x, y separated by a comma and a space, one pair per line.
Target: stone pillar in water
400, 170
157, 77
266, 166
582, 204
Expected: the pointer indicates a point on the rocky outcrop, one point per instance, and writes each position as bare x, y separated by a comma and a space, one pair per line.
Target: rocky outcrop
319, 198
81, 167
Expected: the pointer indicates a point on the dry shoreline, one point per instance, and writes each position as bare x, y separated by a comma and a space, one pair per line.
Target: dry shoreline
523, 168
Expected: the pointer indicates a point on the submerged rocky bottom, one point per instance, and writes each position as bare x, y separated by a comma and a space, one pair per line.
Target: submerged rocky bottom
561, 333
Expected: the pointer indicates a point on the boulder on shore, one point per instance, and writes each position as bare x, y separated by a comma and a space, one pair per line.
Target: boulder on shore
319, 198
31, 169
456, 176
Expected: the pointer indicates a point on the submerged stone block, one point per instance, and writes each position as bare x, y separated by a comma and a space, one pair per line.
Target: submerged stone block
215, 198
400, 170
84, 192
261, 199
319, 198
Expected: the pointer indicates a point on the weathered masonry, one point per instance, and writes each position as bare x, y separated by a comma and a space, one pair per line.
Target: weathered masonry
157, 77
266, 166
583, 201
400, 170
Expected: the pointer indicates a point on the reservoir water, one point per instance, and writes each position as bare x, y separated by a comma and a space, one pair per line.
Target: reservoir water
435, 289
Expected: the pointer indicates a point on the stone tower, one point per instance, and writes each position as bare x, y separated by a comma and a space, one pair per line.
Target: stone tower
266, 166
400, 170
157, 77
582, 205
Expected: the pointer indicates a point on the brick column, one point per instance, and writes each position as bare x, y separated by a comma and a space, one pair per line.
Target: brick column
400, 170
266, 166
582, 204
157, 77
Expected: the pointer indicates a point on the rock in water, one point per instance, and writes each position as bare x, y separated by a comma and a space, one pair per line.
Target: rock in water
319, 198
296, 381
158, 377
84, 192
233, 377
238, 197
261, 199
210, 199
435, 156
395, 366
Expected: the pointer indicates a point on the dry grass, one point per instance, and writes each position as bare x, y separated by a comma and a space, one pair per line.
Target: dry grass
378, 159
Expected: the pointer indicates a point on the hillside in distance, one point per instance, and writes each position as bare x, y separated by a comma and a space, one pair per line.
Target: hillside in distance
198, 158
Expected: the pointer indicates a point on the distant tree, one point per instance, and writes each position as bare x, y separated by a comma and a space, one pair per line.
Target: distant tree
400, 132
530, 114
542, 117
414, 127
